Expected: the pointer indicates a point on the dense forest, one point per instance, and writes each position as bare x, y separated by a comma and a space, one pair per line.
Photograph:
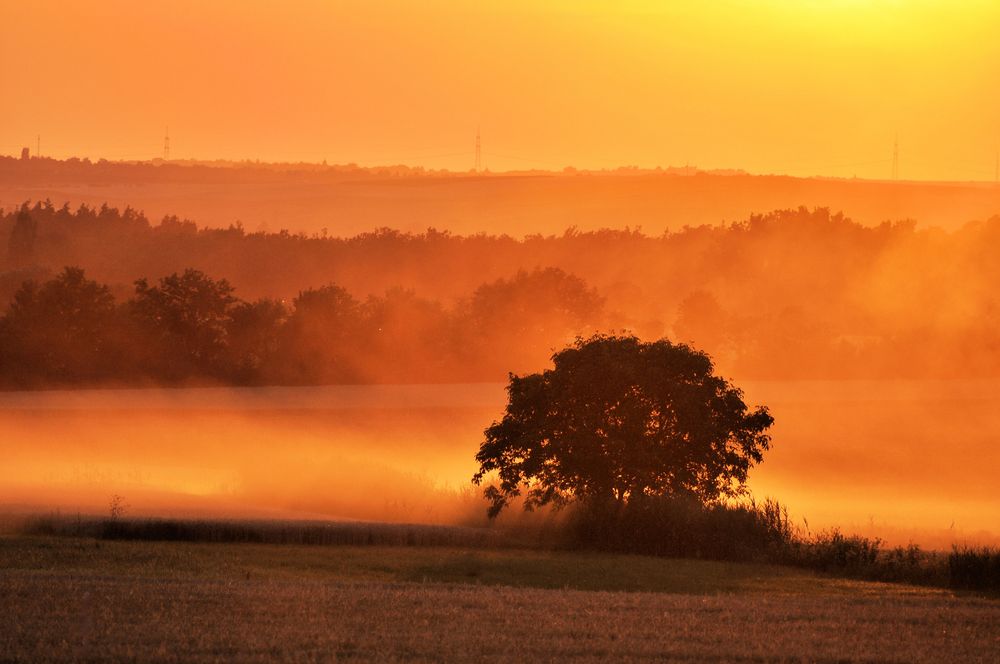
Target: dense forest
104, 296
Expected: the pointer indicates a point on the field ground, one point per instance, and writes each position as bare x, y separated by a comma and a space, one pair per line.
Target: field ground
80, 599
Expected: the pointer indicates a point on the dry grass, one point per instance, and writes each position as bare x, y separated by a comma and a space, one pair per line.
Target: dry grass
260, 531
136, 601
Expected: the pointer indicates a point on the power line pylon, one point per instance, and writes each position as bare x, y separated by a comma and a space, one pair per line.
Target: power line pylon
479, 153
166, 145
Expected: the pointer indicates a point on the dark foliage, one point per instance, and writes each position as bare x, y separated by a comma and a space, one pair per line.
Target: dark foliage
975, 569
684, 528
184, 322
836, 551
316, 533
762, 533
617, 420
749, 531
61, 331
21, 243
189, 327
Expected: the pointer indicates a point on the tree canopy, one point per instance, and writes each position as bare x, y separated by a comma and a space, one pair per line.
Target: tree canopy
60, 328
189, 312
617, 418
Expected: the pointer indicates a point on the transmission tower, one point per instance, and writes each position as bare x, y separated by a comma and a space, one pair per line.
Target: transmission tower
166, 145
38, 146
895, 159
479, 153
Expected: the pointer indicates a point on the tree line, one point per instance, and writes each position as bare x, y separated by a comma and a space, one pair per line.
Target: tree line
188, 327
790, 294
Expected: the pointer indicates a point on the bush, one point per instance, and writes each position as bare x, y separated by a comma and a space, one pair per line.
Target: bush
974, 569
834, 551
680, 527
318, 533
761, 532
750, 531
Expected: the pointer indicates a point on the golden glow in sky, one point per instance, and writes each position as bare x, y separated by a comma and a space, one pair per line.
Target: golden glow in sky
801, 87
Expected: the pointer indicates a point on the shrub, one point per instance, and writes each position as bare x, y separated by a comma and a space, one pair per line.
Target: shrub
834, 551
319, 533
974, 569
680, 527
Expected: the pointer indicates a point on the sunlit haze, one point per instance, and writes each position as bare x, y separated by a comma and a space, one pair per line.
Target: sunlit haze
500, 330
803, 87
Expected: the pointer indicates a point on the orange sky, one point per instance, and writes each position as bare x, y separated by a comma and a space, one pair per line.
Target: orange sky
786, 86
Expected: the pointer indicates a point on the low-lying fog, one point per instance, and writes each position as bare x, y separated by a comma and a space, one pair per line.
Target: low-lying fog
905, 460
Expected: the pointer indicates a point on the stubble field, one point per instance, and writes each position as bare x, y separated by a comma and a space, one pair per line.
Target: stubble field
84, 600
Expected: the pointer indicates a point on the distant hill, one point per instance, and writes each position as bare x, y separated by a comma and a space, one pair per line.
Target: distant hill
346, 200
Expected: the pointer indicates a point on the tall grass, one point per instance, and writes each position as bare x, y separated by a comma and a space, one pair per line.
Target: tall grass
866, 558
762, 532
975, 569
669, 527
685, 528
263, 531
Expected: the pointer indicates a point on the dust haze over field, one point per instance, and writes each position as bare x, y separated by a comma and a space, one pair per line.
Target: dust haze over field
381, 452
901, 460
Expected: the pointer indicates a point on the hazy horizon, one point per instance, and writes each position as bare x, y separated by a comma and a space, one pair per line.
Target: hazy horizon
777, 87
417, 169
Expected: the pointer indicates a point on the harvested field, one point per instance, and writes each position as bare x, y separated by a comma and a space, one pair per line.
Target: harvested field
135, 601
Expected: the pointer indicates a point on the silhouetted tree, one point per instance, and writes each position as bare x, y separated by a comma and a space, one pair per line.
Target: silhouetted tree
173, 225
253, 335
185, 320
319, 341
21, 243
12, 280
59, 331
406, 336
521, 319
536, 302
616, 419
